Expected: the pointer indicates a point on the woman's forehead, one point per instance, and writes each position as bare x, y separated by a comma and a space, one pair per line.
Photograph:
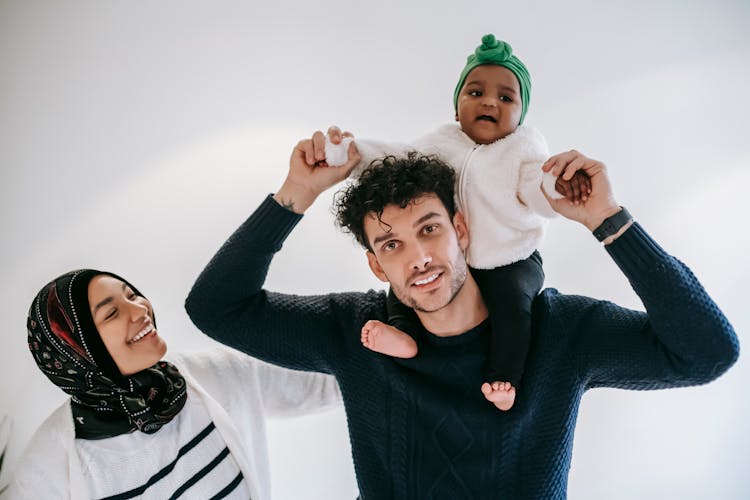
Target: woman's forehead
103, 285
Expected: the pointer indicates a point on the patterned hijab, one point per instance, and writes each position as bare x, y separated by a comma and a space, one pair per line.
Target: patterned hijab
68, 349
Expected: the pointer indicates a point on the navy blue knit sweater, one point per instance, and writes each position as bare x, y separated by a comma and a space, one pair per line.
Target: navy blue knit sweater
420, 428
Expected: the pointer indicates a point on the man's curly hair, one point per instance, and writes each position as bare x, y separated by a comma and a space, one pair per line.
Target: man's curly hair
392, 181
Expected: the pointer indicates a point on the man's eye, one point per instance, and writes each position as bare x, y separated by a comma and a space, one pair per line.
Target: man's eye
431, 228
391, 245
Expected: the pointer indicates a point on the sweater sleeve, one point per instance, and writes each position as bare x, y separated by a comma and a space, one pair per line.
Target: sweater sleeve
289, 393
371, 150
429, 144
532, 151
531, 181
43, 470
682, 339
282, 392
228, 302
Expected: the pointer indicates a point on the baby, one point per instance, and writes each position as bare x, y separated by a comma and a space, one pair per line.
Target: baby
499, 191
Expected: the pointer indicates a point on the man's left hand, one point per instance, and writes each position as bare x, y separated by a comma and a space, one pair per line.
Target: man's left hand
600, 203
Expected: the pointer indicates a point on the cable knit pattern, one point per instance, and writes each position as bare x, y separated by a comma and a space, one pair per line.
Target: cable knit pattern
420, 428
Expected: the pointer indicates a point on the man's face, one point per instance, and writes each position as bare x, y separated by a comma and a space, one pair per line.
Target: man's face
419, 250
489, 104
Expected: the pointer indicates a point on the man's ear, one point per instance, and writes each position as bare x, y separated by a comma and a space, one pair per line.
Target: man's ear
462, 230
375, 267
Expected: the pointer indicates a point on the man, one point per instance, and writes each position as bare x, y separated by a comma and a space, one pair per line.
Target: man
419, 427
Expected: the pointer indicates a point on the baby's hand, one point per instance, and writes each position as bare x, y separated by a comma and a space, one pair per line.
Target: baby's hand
337, 154
577, 189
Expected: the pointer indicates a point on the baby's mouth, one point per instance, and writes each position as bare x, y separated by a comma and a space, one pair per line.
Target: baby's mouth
487, 118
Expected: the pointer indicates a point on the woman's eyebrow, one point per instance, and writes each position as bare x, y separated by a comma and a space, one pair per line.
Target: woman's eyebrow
106, 301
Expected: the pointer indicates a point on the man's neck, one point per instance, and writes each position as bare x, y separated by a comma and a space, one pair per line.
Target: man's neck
466, 310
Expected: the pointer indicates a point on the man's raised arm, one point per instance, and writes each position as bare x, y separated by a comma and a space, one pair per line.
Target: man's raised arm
682, 339
228, 302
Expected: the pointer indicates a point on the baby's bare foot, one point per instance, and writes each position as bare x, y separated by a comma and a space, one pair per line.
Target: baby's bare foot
386, 339
501, 394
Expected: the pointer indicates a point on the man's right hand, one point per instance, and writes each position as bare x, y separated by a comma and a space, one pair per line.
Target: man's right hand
309, 174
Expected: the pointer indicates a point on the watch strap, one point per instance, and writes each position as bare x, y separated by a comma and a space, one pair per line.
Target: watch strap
612, 224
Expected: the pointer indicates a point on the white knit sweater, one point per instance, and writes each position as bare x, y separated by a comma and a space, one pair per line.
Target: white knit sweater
237, 391
498, 188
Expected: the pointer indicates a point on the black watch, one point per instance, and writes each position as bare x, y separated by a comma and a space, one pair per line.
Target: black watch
612, 224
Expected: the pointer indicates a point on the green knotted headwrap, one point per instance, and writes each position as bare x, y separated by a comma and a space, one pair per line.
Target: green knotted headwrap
497, 52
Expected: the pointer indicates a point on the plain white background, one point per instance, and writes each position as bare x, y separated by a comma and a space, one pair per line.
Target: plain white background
135, 136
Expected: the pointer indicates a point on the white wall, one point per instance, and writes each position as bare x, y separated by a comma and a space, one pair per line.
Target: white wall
135, 136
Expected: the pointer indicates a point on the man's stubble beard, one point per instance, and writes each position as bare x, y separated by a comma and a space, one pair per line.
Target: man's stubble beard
459, 270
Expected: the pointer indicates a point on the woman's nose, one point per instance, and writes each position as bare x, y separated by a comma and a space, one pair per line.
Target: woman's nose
137, 310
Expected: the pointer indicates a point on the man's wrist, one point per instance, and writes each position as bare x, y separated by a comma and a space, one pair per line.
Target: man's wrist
597, 220
613, 226
294, 197
619, 233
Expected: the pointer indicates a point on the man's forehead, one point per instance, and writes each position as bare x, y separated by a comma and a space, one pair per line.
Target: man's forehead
422, 207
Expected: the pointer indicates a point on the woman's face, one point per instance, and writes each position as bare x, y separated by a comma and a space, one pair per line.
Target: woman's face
125, 323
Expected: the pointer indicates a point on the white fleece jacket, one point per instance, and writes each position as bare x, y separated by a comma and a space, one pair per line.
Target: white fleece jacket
498, 188
238, 392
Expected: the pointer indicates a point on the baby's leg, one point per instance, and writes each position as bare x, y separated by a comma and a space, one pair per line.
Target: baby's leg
386, 339
390, 339
509, 293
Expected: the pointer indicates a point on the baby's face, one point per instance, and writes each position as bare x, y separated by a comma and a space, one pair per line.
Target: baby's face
489, 104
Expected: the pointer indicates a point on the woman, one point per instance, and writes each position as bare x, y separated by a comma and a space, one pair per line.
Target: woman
137, 425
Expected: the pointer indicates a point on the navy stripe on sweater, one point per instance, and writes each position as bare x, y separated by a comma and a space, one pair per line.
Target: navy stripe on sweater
167, 469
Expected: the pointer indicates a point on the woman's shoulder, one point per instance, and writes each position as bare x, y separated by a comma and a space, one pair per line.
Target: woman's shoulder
56, 428
213, 362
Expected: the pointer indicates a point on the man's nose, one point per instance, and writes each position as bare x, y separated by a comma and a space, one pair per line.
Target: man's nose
421, 258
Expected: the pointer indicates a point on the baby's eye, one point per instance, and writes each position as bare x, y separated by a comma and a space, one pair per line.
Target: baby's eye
475, 93
505, 98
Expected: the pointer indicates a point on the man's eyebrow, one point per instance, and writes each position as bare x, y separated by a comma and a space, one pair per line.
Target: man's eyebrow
106, 301
425, 217
419, 221
382, 237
